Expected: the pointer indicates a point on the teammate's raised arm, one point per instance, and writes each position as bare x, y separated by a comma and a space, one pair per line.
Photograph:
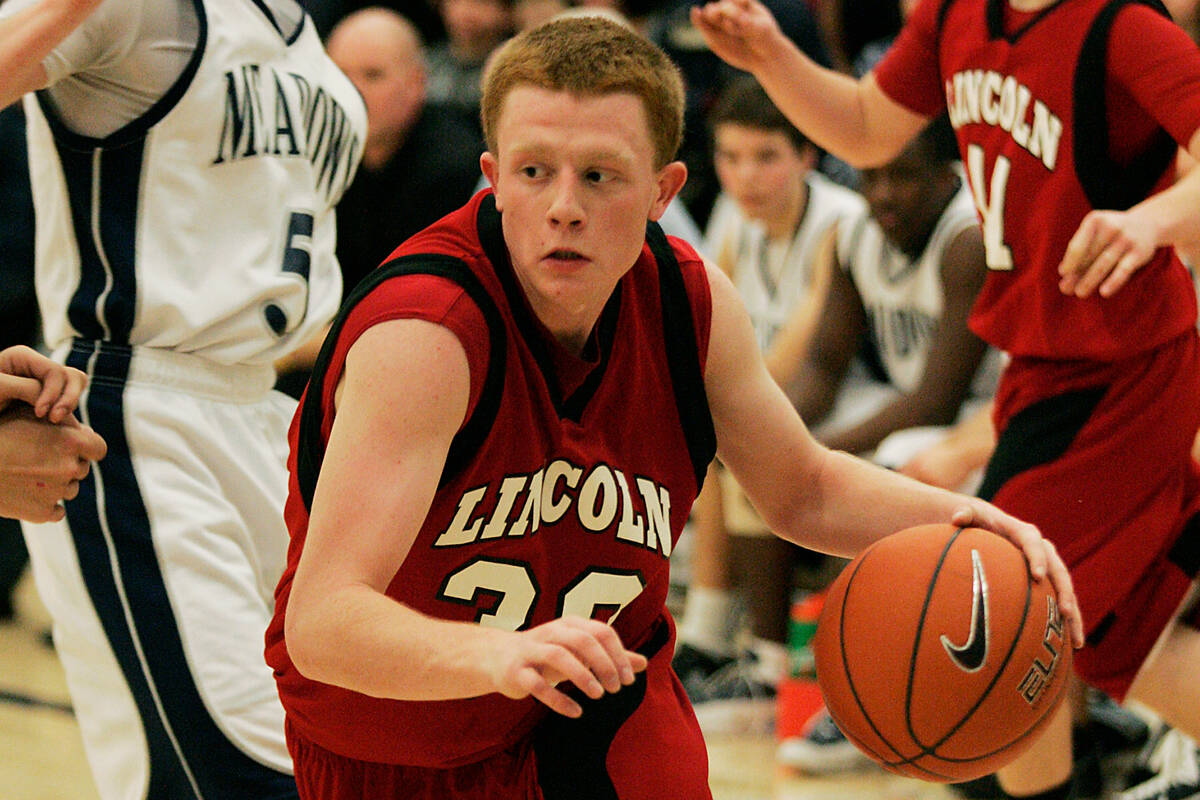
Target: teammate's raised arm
851, 118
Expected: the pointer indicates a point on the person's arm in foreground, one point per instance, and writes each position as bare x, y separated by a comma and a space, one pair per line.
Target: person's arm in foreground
28, 36
851, 118
44, 451
381, 468
823, 499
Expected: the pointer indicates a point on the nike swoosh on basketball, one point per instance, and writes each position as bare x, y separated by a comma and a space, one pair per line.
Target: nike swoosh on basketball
970, 655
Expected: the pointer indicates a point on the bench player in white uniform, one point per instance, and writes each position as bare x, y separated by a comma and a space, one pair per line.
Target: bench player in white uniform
908, 270
185, 160
774, 217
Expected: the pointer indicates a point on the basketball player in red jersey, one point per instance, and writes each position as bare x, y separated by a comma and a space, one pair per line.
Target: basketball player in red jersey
499, 447
1068, 117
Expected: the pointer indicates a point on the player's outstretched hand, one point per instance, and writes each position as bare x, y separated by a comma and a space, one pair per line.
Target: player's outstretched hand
740, 32
42, 463
1044, 561
1107, 248
51, 388
583, 652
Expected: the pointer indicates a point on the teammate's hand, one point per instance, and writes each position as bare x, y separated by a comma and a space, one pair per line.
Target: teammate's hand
1043, 558
1107, 248
52, 389
583, 652
42, 463
740, 32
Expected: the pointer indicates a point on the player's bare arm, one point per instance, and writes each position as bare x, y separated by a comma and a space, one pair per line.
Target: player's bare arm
819, 498
840, 326
852, 118
385, 455
28, 36
1110, 246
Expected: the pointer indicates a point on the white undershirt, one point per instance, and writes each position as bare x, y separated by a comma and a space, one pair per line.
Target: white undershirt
126, 56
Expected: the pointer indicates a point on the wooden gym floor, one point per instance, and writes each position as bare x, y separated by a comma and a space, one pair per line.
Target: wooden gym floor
41, 755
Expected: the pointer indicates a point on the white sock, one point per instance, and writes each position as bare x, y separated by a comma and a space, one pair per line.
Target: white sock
709, 619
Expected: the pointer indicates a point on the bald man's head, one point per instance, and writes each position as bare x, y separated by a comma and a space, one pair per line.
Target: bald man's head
381, 52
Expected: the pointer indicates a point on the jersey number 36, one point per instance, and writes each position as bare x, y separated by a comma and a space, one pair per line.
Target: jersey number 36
516, 590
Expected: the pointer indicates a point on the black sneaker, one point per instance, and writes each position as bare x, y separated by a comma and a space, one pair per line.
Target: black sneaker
729, 694
1112, 726
985, 788
1172, 761
695, 666
1087, 775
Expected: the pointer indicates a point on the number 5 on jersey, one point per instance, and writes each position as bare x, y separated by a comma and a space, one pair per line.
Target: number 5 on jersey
297, 258
989, 200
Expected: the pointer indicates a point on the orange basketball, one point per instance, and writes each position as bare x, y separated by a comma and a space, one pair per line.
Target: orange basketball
938, 655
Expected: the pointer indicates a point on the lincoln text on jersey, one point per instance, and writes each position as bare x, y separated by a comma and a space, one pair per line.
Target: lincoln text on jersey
602, 500
978, 95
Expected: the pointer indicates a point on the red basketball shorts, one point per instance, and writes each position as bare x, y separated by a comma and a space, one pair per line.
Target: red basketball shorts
1098, 456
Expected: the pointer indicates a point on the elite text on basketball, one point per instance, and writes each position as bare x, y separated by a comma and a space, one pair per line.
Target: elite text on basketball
1039, 674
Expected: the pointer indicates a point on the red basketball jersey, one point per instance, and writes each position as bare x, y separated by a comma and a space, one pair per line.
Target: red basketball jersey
552, 503
1047, 134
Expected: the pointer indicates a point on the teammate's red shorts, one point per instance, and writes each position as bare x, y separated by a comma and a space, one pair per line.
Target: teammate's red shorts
1098, 456
642, 743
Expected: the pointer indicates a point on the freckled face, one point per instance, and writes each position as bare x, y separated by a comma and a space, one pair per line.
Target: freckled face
575, 181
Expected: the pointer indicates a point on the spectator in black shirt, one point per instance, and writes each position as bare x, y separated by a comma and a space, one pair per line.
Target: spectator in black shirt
420, 161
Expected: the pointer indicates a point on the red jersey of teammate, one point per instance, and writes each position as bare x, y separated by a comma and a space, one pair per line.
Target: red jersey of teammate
556, 499
1057, 112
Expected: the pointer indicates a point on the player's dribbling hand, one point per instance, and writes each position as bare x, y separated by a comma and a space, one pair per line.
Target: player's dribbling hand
740, 32
1107, 248
1044, 560
582, 652
51, 388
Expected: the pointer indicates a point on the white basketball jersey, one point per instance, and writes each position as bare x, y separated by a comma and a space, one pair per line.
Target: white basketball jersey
902, 296
207, 225
774, 277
